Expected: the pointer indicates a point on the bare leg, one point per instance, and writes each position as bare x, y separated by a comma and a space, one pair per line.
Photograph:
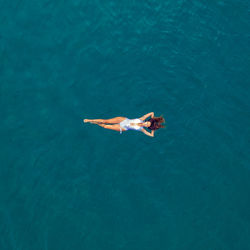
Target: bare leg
100, 124
112, 120
92, 121
97, 120
115, 127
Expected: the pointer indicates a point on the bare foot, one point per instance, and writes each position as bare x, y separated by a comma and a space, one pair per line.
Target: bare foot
86, 120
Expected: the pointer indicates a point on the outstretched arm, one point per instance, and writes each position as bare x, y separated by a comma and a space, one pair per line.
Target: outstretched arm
147, 133
147, 115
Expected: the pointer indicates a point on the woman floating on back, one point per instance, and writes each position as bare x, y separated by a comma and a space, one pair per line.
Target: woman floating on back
124, 123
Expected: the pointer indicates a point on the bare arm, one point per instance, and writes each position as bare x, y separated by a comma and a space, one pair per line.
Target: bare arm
147, 133
147, 115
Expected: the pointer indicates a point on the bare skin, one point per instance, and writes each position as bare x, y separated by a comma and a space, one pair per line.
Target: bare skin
105, 123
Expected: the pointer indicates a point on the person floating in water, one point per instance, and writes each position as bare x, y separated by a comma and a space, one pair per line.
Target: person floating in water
124, 123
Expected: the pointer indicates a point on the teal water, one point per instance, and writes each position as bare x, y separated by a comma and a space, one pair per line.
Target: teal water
69, 185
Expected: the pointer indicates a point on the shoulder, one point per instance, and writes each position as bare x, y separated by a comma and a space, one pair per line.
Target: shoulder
141, 118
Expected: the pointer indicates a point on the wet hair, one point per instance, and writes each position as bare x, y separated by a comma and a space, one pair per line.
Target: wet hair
156, 123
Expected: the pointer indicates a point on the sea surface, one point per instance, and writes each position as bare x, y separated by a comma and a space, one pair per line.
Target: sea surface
69, 185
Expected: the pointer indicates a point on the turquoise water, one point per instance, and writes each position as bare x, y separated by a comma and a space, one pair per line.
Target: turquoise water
69, 185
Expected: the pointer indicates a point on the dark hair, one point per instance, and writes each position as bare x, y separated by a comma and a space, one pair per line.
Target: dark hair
156, 123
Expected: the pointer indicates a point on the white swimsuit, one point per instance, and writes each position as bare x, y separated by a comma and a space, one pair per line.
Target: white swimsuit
126, 124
